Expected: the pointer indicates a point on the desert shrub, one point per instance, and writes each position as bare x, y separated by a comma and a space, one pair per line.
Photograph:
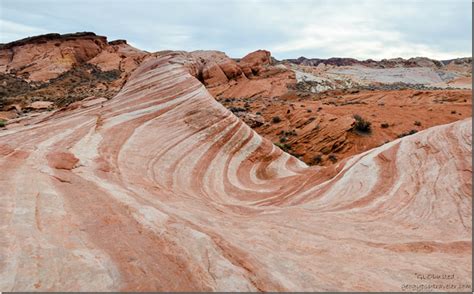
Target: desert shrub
317, 159
3, 123
362, 125
411, 132
283, 139
258, 113
417, 123
276, 119
453, 112
332, 158
289, 133
384, 125
284, 147
237, 109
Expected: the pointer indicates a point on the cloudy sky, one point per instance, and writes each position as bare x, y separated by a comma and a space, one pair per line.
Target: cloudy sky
376, 29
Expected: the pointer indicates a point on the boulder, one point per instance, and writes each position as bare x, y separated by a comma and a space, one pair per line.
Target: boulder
40, 105
254, 62
230, 69
92, 101
62, 160
252, 120
213, 75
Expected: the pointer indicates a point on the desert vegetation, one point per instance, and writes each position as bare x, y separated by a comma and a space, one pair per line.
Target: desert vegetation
362, 125
276, 119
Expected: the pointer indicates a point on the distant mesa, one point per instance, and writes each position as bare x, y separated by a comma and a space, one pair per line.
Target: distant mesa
384, 63
53, 37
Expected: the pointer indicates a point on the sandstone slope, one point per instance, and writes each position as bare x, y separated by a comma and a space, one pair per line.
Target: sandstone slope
162, 188
320, 128
315, 99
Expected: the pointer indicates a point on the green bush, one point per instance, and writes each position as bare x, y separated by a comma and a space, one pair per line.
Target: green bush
284, 147
2, 123
276, 119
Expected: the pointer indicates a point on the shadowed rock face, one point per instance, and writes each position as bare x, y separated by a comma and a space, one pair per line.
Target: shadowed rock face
162, 188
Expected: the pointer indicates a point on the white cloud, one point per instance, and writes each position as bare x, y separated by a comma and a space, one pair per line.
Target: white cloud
357, 31
361, 43
318, 28
14, 31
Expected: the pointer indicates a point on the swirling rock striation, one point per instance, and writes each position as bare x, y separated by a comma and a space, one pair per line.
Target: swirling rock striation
162, 188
